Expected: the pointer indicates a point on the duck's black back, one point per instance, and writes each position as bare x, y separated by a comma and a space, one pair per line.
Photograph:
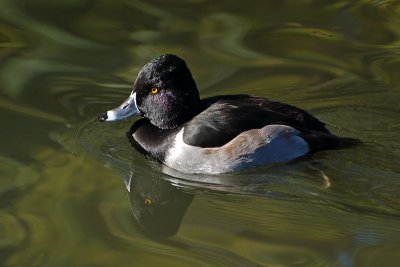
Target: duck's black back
224, 117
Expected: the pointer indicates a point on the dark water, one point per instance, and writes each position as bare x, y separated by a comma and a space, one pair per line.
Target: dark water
64, 176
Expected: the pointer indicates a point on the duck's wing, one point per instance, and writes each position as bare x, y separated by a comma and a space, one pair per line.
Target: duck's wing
225, 117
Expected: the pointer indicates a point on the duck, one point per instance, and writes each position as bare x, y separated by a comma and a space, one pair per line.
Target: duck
219, 134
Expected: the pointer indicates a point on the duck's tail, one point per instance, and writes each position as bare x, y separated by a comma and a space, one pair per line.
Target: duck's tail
323, 141
344, 142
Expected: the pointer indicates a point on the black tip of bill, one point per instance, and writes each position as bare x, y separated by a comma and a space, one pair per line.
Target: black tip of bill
103, 117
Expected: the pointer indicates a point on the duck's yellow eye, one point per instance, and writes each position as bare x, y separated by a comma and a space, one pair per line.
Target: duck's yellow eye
154, 90
148, 202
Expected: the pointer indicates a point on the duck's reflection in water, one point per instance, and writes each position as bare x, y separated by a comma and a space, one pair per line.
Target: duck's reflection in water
159, 198
157, 206
159, 201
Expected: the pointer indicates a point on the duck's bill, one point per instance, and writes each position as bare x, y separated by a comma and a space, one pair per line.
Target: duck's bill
125, 110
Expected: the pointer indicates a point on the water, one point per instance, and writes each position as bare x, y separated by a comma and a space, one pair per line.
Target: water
74, 193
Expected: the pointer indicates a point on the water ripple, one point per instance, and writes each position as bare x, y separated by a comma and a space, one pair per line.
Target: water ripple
63, 200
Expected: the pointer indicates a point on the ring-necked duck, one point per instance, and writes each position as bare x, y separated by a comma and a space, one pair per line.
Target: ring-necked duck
218, 134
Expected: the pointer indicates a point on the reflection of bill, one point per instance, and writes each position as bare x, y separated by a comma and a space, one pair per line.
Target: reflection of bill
158, 206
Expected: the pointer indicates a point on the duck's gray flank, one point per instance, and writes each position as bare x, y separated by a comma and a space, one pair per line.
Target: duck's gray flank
270, 144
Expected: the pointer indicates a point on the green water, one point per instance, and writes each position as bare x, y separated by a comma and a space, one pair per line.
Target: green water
64, 176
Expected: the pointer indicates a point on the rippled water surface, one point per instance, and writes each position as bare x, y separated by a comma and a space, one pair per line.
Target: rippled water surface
74, 193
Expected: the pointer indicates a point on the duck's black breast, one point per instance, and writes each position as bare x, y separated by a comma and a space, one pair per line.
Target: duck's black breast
151, 140
224, 117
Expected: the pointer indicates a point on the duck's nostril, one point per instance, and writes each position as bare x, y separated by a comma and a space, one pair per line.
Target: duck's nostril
103, 117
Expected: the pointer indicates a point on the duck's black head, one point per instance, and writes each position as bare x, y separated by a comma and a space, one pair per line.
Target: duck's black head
164, 92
